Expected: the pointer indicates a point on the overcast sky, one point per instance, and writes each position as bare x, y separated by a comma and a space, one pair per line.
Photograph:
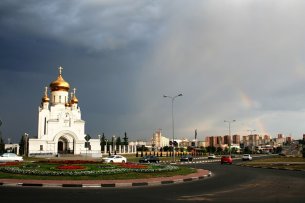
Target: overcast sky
231, 59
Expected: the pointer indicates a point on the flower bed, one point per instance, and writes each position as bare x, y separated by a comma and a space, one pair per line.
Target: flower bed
9, 164
88, 169
70, 167
132, 165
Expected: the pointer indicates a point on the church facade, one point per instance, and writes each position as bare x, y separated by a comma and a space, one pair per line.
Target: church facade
61, 129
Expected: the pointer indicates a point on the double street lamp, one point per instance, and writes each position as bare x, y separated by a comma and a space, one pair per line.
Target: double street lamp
173, 126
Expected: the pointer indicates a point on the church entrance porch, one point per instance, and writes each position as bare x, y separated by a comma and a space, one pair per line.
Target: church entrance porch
65, 145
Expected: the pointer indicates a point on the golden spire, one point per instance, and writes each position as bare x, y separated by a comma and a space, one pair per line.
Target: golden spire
45, 98
74, 100
60, 84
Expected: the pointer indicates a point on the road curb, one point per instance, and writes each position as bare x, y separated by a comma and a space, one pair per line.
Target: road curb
28, 183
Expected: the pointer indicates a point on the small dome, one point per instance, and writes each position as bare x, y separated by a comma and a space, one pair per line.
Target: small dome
74, 100
45, 98
59, 84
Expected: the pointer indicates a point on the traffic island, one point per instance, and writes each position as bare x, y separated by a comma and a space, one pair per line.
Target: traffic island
198, 175
84, 173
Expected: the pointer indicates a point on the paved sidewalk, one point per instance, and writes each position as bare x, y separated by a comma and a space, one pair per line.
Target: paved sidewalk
201, 174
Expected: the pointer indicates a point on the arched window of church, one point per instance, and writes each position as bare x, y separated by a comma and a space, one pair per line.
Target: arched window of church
59, 99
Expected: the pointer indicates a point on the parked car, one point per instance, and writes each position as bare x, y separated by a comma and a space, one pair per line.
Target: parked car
186, 158
6, 157
115, 159
149, 159
247, 157
226, 160
211, 156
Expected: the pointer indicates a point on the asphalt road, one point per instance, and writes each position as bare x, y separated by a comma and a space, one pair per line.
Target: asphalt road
230, 183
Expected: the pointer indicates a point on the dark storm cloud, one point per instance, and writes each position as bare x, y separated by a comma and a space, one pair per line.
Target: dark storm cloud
101, 44
238, 59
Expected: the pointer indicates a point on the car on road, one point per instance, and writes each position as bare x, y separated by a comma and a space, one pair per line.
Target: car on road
7, 157
211, 156
186, 158
247, 157
226, 159
149, 159
115, 159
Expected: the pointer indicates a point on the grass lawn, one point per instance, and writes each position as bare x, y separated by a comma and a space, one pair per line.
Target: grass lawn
280, 159
296, 163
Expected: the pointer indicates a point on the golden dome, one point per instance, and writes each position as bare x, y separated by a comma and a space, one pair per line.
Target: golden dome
59, 84
45, 98
74, 100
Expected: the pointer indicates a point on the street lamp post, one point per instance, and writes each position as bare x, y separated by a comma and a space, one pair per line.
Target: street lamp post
229, 132
113, 143
251, 131
172, 99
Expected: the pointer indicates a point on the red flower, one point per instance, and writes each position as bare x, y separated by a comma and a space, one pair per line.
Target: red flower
9, 164
132, 165
70, 167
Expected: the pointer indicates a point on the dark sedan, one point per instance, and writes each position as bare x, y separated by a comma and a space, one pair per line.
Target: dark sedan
149, 159
186, 158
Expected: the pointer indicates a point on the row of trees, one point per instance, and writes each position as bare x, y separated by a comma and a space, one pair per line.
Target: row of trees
1, 140
212, 150
114, 140
205, 150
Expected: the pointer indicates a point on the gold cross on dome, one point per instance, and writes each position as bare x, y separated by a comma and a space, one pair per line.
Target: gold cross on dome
60, 69
46, 90
74, 90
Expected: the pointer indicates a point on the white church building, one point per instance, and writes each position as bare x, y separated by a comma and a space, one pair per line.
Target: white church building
61, 129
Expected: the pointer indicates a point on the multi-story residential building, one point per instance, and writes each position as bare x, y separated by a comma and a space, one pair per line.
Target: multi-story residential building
289, 139
227, 140
253, 140
211, 141
219, 140
236, 139
158, 140
266, 139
